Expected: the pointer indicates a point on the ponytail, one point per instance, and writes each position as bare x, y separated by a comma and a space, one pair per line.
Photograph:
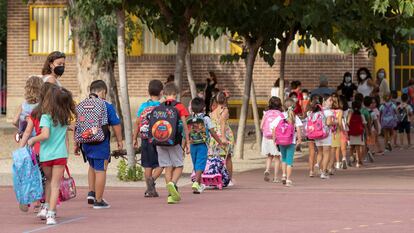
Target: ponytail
290, 105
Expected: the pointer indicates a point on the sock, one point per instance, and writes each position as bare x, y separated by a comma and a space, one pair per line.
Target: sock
46, 205
51, 213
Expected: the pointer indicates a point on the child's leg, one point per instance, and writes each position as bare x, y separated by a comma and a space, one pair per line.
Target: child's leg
91, 178
343, 149
269, 162
283, 150
319, 156
229, 165
326, 150
358, 150
362, 152
100, 181
311, 155
401, 136
168, 174
156, 172
48, 174
332, 155
199, 156
57, 173
277, 165
290, 152
409, 138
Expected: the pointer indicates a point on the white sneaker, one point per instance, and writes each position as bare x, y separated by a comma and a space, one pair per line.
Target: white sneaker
337, 165
51, 218
324, 176
42, 213
201, 188
230, 184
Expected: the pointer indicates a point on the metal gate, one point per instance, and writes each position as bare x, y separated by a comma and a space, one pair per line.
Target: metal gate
3, 87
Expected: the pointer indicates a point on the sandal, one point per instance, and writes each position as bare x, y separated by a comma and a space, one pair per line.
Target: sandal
284, 179
276, 180
266, 176
289, 183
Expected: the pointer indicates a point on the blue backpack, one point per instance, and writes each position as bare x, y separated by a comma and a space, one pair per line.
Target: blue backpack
27, 179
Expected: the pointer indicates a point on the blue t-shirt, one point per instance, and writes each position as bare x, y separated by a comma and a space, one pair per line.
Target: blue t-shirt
102, 150
149, 103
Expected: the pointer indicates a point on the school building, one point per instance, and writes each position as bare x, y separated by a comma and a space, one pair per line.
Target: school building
36, 29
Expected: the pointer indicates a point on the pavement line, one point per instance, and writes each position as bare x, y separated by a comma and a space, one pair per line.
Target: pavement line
347, 228
51, 226
363, 226
334, 231
397, 221
379, 223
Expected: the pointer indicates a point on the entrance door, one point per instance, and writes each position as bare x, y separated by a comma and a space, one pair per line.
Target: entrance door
404, 67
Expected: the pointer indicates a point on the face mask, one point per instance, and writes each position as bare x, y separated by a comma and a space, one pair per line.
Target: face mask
305, 97
295, 99
348, 79
58, 70
363, 76
381, 75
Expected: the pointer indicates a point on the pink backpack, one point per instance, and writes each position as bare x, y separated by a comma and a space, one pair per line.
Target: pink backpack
284, 132
315, 128
268, 117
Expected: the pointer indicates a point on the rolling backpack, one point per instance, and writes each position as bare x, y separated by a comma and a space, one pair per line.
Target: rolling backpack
388, 117
285, 133
27, 179
144, 122
268, 117
315, 128
198, 130
164, 125
91, 121
356, 126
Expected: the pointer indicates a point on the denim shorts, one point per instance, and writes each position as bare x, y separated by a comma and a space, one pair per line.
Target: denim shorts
199, 156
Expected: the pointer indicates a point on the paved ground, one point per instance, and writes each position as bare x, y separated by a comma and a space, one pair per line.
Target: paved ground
378, 198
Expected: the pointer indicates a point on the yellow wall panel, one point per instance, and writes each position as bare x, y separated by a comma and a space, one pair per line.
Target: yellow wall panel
382, 60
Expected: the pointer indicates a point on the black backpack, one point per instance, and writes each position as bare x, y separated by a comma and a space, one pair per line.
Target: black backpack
164, 125
402, 115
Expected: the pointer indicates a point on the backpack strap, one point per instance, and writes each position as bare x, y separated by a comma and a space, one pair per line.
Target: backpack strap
93, 95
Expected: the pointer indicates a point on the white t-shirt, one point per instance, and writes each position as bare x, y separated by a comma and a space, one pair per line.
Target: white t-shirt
274, 92
365, 89
298, 123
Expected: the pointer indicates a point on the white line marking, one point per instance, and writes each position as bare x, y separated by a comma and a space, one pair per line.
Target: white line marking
363, 225
333, 231
379, 223
51, 226
347, 228
396, 221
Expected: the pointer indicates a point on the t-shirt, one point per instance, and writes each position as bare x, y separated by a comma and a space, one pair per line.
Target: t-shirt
322, 91
36, 128
149, 103
408, 111
103, 149
182, 110
55, 146
347, 90
367, 115
275, 123
298, 107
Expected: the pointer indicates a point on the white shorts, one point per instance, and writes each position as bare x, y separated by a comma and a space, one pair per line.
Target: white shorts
324, 142
269, 147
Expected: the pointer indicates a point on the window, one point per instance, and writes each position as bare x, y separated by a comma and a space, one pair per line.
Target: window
404, 66
49, 30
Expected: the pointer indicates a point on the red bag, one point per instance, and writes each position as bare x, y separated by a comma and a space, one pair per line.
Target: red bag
67, 189
356, 126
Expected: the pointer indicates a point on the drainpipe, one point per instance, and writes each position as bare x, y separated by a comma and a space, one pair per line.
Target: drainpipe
392, 67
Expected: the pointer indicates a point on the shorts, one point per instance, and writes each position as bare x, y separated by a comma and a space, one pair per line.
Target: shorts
404, 127
97, 164
55, 162
324, 142
269, 147
356, 140
149, 155
287, 154
199, 156
170, 156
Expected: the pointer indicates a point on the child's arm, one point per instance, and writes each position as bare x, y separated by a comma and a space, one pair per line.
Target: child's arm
136, 132
17, 117
299, 135
329, 121
27, 132
118, 134
67, 141
215, 136
223, 118
44, 135
340, 125
186, 133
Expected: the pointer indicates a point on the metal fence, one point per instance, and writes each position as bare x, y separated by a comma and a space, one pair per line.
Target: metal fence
3, 87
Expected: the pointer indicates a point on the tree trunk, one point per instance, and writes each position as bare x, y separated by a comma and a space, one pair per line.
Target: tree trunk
256, 116
282, 73
191, 83
251, 57
182, 46
87, 69
126, 110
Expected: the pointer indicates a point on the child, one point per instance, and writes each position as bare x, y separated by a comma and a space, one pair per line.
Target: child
220, 118
376, 125
336, 129
98, 154
366, 111
56, 113
306, 100
269, 148
357, 125
344, 130
405, 113
388, 118
149, 156
171, 157
313, 165
200, 128
287, 149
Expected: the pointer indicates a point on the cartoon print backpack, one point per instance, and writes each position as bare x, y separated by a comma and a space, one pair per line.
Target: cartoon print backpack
285, 132
27, 110
215, 165
164, 125
27, 179
268, 117
315, 128
388, 117
402, 114
198, 130
91, 121
144, 122
356, 126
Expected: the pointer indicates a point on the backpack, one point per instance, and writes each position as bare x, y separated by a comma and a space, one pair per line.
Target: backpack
215, 165
27, 179
388, 117
164, 125
315, 127
144, 122
268, 117
91, 121
285, 133
402, 115
356, 126
27, 110
197, 129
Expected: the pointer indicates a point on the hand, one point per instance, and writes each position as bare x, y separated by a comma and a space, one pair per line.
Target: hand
77, 150
299, 141
120, 145
135, 143
187, 148
30, 142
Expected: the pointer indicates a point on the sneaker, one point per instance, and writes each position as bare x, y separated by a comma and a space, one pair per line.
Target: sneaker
196, 187
202, 188
337, 165
284, 179
316, 167
358, 165
172, 190
101, 205
349, 163
231, 184
289, 183
51, 218
324, 176
370, 157
91, 198
344, 164
311, 174
170, 200
266, 176
42, 214
276, 180
331, 172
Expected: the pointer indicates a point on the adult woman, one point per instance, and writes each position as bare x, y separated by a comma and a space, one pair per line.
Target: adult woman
365, 83
54, 67
347, 88
210, 86
382, 83
276, 87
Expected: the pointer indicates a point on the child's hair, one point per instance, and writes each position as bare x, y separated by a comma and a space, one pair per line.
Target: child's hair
98, 86
305, 91
170, 89
197, 105
367, 101
221, 98
359, 97
59, 104
343, 102
37, 111
404, 97
32, 89
394, 94
356, 107
336, 103
294, 85
155, 87
275, 103
49, 60
289, 106
316, 103
293, 95
170, 78
377, 101
276, 83
387, 96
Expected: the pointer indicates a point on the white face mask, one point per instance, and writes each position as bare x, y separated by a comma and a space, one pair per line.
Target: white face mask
381, 75
305, 97
348, 79
295, 99
363, 76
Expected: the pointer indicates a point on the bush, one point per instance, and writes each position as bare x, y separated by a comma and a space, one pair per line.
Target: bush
125, 173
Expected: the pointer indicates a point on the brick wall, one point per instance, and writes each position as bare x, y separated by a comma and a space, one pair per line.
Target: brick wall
306, 68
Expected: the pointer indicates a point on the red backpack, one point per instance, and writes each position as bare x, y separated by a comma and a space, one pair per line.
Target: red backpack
356, 126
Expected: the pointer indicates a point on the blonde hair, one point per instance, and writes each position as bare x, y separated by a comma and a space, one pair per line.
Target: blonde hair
32, 89
289, 107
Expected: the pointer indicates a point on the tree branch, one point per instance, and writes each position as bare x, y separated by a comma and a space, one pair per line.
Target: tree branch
165, 11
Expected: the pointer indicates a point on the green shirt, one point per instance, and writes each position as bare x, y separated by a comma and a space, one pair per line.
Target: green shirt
367, 115
55, 146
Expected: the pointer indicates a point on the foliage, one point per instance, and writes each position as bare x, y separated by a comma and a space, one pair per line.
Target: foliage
126, 173
3, 29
